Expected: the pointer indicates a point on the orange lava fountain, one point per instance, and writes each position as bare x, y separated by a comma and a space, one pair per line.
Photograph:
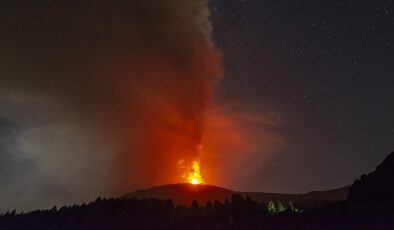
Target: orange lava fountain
195, 177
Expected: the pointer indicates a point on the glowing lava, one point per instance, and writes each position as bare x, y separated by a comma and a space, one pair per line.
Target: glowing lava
194, 177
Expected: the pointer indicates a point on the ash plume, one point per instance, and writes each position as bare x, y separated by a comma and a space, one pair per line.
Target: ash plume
129, 81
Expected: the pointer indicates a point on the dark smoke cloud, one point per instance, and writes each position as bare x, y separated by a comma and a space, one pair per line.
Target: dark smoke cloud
110, 95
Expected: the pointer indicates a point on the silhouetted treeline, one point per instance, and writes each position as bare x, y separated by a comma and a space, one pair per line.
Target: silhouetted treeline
236, 213
134, 213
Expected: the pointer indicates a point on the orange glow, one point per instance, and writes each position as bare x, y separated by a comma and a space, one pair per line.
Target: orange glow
194, 177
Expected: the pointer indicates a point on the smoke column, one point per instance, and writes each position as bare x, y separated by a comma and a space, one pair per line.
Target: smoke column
130, 81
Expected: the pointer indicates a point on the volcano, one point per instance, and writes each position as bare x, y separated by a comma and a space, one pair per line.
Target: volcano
367, 204
184, 194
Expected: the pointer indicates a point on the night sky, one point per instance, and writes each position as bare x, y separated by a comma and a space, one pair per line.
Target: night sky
99, 98
326, 68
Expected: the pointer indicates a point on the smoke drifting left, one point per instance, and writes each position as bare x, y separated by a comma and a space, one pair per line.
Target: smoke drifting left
137, 73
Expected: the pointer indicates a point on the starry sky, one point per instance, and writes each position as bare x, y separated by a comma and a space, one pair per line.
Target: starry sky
99, 98
326, 68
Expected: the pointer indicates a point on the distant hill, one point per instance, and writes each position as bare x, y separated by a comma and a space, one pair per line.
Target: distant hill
184, 194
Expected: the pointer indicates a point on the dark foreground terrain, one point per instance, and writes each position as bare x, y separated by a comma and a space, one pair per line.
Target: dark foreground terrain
369, 205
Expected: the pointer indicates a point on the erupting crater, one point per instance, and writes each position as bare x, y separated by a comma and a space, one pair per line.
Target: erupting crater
194, 177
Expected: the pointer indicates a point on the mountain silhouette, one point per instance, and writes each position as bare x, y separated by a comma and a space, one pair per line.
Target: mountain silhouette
184, 194
367, 204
